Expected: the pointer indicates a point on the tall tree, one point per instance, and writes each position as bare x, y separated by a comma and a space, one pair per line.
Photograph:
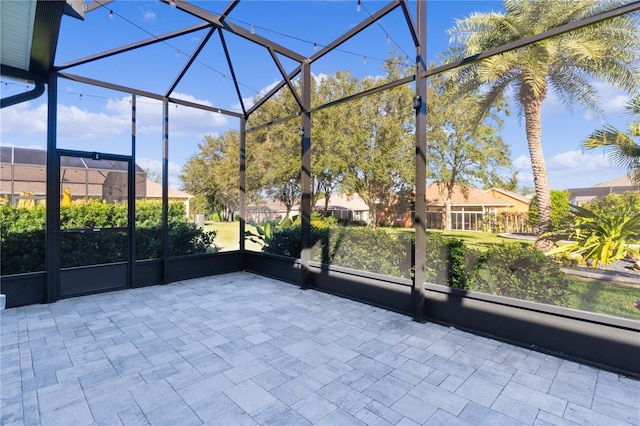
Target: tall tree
622, 147
212, 173
380, 167
461, 153
567, 64
274, 172
331, 133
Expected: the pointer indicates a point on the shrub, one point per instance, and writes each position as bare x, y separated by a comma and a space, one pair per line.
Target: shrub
560, 215
449, 261
23, 235
366, 249
514, 271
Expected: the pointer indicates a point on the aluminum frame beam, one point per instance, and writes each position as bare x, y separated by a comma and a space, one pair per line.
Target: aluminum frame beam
133, 46
220, 23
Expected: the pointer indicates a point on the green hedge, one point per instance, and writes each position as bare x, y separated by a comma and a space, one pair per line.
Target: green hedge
510, 270
23, 235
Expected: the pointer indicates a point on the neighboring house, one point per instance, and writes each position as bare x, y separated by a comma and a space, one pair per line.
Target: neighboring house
154, 192
470, 207
341, 206
23, 174
620, 185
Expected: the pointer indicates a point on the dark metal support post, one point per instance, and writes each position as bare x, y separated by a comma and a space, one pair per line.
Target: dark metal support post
305, 180
243, 182
132, 195
52, 245
165, 190
420, 105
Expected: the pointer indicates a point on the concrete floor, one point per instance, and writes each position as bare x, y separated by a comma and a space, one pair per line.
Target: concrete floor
240, 349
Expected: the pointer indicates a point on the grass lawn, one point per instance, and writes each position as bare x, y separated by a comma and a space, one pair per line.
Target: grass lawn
474, 239
228, 236
603, 298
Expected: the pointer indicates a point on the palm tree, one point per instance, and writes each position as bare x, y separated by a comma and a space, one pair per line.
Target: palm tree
623, 148
568, 64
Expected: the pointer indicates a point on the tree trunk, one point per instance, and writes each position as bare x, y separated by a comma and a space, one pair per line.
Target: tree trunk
447, 214
532, 106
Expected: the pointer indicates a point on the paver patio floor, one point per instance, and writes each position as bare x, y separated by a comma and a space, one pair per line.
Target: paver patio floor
240, 349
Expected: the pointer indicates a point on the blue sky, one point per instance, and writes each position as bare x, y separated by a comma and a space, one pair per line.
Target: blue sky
95, 119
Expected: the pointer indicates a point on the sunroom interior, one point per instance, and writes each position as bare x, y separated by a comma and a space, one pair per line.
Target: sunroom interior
233, 37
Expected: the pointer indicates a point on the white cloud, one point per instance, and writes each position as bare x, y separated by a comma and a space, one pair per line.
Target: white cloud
148, 15
574, 161
77, 123
569, 169
248, 102
522, 163
73, 122
155, 167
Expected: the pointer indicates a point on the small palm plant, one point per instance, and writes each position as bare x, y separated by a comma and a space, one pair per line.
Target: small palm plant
602, 238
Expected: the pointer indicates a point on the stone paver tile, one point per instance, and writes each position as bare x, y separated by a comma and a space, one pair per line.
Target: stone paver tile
363, 382
576, 392
313, 407
533, 381
119, 384
416, 354
412, 372
448, 366
414, 408
247, 371
339, 417
444, 418
573, 372
70, 413
217, 409
517, 409
630, 414
271, 379
440, 398
82, 369
133, 417
391, 359
535, 398
249, 396
58, 395
618, 392
302, 347
332, 370
338, 352
370, 366
187, 375
296, 389
344, 397
174, 413
479, 390
477, 414
278, 414
585, 416
451, 383
121, 351
200, 390
153, 395
370, 419
104, 407
388, 390
437, 377
382, 411
547, 418
10, 414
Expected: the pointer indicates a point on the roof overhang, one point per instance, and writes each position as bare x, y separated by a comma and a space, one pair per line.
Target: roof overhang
29, 35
